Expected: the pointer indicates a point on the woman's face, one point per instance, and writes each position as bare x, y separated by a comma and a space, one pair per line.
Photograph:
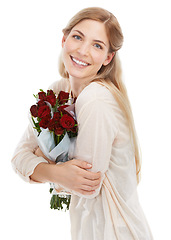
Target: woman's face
86, 49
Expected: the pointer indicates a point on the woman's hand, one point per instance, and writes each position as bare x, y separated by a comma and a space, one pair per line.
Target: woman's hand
73, 175
39, 153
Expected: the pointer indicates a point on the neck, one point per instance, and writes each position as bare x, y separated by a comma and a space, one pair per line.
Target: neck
77, 85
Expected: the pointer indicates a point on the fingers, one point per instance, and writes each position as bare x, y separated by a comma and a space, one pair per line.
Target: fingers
39, 153
90, 178
81, 164
88, 187
84, 192
85, 182
86, 165
87, 190
92, 183
51, 162
93, 175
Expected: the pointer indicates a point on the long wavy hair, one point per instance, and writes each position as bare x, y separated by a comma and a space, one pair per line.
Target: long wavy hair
109, 76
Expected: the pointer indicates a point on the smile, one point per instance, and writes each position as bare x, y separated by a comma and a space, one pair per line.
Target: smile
79, 62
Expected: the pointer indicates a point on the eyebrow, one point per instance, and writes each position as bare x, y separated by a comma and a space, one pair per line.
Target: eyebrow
82, 34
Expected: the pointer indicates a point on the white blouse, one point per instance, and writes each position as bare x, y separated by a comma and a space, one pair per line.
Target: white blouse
113, 212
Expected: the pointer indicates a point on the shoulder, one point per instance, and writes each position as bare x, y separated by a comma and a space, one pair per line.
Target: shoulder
60, 85
95, 93
95, 90
96, 105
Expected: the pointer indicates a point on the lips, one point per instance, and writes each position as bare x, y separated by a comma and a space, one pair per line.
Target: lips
79, 62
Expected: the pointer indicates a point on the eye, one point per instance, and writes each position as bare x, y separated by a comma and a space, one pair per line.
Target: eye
77, 37
98, 45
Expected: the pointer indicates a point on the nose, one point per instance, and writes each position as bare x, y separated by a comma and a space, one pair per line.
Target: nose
83, 48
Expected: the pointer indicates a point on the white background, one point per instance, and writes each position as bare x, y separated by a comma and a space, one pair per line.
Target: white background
30, 44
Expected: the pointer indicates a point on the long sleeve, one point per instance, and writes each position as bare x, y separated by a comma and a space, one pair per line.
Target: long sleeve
97, 129
113, 211
24, 160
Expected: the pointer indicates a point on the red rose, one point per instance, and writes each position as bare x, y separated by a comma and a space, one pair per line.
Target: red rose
43, 111
67, 122
42, 96
59, 131
57, 116
74, 129
55, 121
44, 122
50, 92
41, 103
52, 124
63, 97
51, 98
34, 110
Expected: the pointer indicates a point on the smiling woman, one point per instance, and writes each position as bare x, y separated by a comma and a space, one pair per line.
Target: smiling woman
106, 207
107, 136
85, 51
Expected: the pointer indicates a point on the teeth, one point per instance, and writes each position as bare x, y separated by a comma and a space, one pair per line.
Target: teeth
79, 62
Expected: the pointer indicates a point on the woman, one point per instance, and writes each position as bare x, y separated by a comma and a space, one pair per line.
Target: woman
106, 139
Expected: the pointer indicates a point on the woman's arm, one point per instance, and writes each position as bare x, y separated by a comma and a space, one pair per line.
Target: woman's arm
96, 115
73, 175
36, 168
24, 160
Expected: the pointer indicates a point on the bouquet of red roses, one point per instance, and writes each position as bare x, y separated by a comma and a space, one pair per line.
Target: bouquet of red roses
54, 122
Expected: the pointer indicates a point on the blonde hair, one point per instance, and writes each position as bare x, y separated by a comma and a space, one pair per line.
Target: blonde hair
109, 76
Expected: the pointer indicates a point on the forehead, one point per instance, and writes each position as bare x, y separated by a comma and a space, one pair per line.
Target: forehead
92, 29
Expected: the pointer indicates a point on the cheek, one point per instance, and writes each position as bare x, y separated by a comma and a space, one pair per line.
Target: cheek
99, 58
68, 47
66, 50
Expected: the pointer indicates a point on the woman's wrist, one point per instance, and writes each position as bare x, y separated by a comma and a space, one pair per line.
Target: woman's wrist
44, 172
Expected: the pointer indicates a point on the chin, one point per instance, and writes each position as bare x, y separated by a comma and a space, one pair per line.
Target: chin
77, 74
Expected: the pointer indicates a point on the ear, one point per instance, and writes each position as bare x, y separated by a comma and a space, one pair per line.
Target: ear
63, 40
109, 58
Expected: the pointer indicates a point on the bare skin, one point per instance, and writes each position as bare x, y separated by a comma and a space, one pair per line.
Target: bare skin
73, 174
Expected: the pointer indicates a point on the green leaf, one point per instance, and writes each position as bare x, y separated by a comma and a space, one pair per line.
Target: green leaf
36, 96
36, 126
